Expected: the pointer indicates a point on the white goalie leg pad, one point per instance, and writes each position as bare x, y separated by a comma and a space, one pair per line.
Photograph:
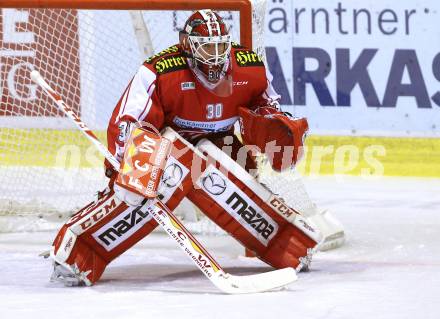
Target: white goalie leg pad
275, 202
96, 235
331, 228
252, 214
242, 206
289, 186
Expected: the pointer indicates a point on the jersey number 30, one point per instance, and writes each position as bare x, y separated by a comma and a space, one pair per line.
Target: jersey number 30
214, 111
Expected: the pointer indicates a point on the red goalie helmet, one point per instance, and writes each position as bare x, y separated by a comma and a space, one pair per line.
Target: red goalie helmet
206, 41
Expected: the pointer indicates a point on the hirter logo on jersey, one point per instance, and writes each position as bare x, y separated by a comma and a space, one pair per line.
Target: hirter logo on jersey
170, 63
248, 58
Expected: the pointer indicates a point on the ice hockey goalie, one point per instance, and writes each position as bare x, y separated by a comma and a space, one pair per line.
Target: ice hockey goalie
194, 92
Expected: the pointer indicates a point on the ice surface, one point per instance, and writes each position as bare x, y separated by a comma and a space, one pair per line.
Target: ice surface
389, 268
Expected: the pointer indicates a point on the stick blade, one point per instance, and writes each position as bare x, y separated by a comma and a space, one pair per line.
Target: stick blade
267, 281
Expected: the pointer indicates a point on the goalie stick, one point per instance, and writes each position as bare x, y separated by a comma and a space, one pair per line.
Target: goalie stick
176, 230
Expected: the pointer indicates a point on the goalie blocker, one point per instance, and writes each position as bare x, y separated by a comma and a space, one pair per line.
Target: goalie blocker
222, 190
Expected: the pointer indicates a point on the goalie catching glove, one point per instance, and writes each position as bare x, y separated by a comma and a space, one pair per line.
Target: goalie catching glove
276, 134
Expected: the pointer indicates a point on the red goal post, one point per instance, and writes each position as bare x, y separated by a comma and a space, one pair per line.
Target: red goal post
243, 6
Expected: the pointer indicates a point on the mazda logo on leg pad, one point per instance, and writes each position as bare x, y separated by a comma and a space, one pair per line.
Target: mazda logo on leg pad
172, 175
214, 183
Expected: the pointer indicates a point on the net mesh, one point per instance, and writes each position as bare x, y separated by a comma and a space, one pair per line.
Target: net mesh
48, 169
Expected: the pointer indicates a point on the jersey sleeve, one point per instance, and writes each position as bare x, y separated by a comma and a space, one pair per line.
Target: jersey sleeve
269, 97
139, 102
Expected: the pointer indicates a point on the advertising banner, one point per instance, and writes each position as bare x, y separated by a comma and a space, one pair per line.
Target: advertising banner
25, 45
358, 67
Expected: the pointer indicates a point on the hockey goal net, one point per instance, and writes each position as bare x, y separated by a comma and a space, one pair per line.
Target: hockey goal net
88, 50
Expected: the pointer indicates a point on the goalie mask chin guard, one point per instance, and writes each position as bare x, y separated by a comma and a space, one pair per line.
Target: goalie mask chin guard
206, 42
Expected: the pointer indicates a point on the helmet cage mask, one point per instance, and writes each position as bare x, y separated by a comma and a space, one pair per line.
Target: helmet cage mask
207, 44
211, 51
